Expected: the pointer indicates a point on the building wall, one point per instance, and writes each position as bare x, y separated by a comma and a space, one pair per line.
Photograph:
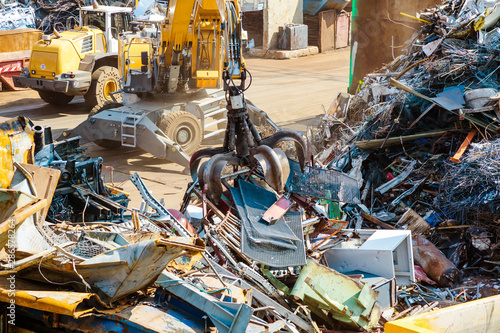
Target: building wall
279, 13
379, 31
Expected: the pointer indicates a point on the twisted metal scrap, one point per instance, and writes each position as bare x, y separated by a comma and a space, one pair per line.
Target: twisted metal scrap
474, 183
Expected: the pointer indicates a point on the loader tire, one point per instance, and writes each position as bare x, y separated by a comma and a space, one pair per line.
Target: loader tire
105, 143
183, 128
55, 98
105, 80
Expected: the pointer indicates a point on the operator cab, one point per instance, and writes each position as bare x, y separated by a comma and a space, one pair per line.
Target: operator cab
111, 20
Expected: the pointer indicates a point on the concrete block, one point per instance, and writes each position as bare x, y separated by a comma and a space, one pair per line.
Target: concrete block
283, 54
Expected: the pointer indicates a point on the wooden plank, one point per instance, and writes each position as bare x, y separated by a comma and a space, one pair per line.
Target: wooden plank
312, 22
327, 21
414, 222
45, 181
463, 147
375, 220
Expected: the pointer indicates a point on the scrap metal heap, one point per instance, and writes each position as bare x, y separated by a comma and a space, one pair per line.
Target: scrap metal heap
45, 15
396, 216
421, 138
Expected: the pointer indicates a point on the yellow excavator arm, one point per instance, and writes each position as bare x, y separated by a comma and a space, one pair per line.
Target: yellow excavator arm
198, 45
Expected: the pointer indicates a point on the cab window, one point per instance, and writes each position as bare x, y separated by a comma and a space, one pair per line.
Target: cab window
95, 19
119, 23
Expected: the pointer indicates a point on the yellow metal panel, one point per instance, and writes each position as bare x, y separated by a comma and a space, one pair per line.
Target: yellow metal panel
16, 139
30, 295
44, 63
207, 79
18, 39
476, 316
131, 49
60, 55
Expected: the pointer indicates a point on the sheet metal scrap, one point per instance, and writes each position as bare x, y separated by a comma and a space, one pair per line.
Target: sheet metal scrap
16, 16
16, 139
38, 306
119, 270
278, 245
15, 208
329, 292
227, 316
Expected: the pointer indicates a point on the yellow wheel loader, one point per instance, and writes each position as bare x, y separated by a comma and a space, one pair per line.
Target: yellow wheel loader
80, 61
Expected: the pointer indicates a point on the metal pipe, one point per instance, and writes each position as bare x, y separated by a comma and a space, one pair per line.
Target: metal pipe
48, 135
38, 138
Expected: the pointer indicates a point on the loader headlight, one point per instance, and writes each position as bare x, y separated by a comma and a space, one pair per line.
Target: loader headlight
33, 72
53, 74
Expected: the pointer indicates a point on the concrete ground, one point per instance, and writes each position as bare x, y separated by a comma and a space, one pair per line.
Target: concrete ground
292, 92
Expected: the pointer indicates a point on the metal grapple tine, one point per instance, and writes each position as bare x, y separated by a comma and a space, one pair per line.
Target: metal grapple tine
274, 164
211, 173
198, 155
289, 135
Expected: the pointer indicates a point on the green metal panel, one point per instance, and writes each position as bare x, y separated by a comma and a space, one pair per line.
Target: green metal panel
345, 299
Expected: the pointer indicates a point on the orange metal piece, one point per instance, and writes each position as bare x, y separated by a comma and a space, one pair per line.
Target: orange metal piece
463, 147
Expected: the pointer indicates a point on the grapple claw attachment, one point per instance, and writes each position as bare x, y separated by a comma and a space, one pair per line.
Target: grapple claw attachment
244, 147
274, 164
198, 156
289, 135
211, 174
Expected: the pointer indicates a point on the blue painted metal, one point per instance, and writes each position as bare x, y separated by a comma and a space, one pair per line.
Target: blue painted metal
313, 7
227, 317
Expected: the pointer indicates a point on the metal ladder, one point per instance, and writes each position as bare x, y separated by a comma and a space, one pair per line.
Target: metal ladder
210, 107
130, 120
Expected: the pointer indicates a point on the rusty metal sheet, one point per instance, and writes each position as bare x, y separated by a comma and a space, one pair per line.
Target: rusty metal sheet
11, 200
122, 271
85, 312
19, 40
45, 181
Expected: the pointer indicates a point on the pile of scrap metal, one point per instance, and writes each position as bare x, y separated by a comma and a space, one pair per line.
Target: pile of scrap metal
16, 16
79, 259
45, 15
290, 246
421, 138
79, 273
